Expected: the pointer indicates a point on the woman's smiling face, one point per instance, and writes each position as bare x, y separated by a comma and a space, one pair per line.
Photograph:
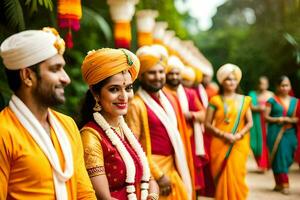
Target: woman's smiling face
114, 95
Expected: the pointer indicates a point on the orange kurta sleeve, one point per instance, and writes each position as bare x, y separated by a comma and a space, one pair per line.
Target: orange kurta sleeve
134, 119
5, 160
93, 153
137, 120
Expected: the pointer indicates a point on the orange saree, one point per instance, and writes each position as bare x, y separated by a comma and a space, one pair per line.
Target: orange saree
228, 162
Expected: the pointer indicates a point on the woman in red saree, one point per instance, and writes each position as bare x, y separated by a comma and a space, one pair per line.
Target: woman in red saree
258, 133
229, 119
117, 166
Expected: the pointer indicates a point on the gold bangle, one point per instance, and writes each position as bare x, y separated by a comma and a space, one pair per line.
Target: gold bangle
153, 196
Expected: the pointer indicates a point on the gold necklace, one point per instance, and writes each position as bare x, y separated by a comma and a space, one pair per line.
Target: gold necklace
118, 130
226, 108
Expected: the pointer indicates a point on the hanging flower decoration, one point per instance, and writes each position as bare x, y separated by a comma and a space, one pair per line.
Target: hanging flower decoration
121, 12
69, 14
145, 24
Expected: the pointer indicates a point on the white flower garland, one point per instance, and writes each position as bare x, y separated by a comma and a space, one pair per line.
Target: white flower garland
141, 154
129, 163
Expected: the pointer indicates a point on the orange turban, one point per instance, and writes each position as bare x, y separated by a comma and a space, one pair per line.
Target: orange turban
103, 63
149, 56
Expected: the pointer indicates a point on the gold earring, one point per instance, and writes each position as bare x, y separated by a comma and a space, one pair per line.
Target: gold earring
97, 107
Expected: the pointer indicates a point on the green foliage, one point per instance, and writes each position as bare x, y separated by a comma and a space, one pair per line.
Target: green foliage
92, 18
269, 46
33, 4
14, 14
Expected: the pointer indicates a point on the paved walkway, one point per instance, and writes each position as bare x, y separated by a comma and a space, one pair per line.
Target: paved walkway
261, 185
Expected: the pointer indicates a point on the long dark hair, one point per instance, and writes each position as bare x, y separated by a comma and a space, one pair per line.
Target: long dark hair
280, 79
86, 111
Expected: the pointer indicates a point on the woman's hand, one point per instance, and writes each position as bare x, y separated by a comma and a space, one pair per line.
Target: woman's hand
238, 136
281, 120
229, 137
165, 186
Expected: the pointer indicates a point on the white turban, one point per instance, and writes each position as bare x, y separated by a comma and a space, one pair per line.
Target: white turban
225, 70
207, 70
28, 48
174, 63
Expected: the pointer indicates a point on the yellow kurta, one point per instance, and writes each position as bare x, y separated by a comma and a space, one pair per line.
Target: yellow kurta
25, 172
231, 183
137, 120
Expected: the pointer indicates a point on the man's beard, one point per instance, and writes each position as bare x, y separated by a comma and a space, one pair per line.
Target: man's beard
150, 88
48, 97
173, 83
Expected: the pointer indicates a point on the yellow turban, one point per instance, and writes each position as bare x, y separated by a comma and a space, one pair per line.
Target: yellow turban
149, 56
225, 70
199, 75
189, 74
103, 63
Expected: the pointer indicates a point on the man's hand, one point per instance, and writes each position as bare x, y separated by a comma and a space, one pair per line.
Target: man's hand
165, 186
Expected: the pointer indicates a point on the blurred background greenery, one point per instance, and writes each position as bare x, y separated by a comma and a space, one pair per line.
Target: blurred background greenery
260, 36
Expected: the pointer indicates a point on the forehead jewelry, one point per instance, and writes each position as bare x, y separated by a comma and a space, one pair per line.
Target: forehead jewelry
124, 79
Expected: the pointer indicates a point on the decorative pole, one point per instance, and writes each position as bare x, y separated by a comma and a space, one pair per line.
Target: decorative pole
145, 25
167, 38
69, 14
121, 12
174, 46
159, 31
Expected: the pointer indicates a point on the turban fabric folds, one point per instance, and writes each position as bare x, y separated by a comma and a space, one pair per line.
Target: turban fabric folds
150, 56
30, 47
103, 63
174, 63
227, 69
189, 74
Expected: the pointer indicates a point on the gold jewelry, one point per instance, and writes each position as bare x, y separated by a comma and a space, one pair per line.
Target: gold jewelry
97, 107
119, 131
153, 196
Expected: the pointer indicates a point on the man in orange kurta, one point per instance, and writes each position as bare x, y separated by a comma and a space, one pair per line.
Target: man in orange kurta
190, 111
152, 118
41, 154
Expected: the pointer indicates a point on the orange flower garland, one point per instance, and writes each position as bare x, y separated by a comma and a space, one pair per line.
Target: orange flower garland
69, 14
